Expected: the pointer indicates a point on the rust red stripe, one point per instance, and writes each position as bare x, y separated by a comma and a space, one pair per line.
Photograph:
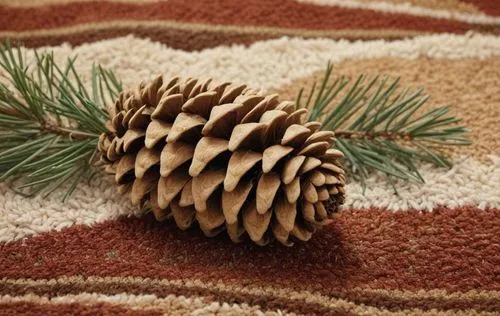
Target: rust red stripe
453, 249
188, 36
277, 13
490, 7
187, 40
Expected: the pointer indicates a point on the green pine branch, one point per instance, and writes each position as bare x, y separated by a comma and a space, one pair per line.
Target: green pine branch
381, 126
49, 121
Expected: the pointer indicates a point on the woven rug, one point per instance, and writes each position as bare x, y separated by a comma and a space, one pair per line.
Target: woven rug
432, 250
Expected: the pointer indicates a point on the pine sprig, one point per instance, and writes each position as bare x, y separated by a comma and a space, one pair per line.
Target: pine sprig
380, 126
49, 122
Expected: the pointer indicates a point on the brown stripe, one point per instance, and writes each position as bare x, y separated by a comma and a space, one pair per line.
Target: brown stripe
186, 36
28, 308
169, 305
453, 249
278, 13
451, 5
391, 301
474, 92
267, 298
37, 3
117, 286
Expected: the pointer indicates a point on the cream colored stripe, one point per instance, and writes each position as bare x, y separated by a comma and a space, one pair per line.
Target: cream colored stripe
407, 8
238, 29
171, 305
266, 64
281, 293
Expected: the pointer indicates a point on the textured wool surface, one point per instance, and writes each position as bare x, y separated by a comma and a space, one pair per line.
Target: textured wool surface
434, 249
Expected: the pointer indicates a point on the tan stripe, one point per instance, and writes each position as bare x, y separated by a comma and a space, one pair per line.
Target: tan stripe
173, 305
434, 293
274, 293
469, 85
168, 25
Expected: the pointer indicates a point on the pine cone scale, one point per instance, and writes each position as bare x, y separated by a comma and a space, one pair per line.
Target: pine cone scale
223, 156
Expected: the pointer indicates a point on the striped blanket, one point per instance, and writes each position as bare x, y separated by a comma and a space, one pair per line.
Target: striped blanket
432, 250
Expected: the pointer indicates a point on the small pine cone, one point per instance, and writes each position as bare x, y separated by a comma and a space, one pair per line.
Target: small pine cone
225, 156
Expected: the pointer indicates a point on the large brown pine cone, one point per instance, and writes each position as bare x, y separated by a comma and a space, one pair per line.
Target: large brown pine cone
225, 156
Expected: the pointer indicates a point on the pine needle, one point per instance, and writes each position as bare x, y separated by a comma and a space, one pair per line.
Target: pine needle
49, 121
381, 126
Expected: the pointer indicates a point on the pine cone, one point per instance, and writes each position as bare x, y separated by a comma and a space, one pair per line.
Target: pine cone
225, 156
